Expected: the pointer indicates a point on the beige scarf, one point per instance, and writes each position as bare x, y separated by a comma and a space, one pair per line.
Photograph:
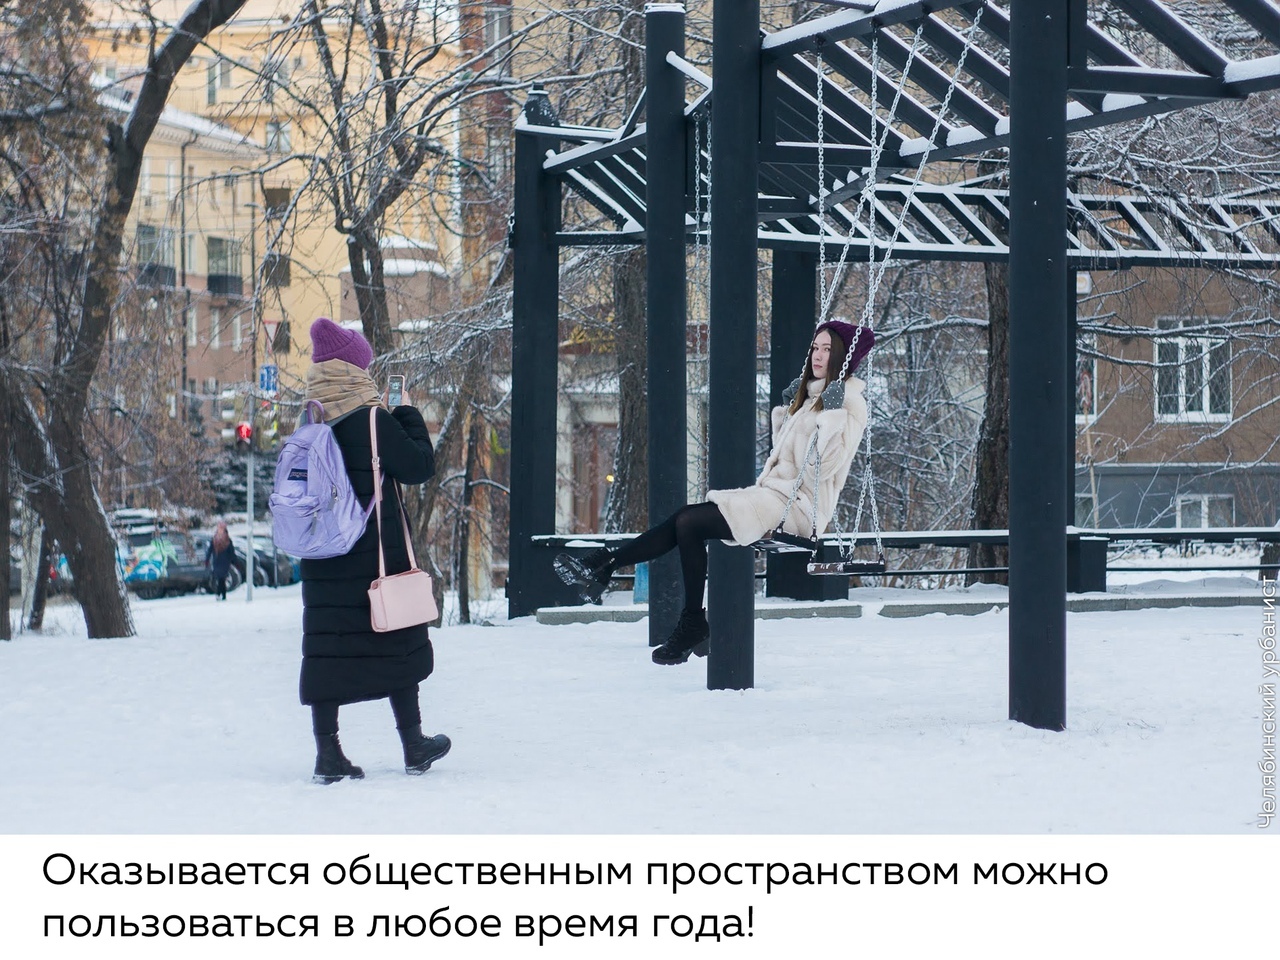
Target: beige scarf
341, 387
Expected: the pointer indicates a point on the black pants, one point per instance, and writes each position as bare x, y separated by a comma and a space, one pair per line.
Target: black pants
689, 528
404, 705
222, 587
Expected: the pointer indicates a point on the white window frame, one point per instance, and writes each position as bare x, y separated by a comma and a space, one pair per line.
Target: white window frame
1206, 346
279, 136
193, 331
237, 332
215, 328
1090, 342
1200, 502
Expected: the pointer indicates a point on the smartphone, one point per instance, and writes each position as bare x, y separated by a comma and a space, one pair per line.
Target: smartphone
395, 391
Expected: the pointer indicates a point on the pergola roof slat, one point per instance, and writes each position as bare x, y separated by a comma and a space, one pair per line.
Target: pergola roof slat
1171, 30
930, 78
910, 110
1109, 84
1262, 16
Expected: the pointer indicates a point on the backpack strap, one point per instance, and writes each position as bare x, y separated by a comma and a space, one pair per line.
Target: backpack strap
377, 501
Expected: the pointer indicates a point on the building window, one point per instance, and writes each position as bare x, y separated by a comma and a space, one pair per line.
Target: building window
211, 84
144, 177
193, 331
109, 71
498, 152
278, 137
237, 332
215, 328
275, 74
224, 276
1206, 510
171, 178
1086, 380
497, 30
593, 449
224, 74
275, 202
1193, 375
275, 270
155, 256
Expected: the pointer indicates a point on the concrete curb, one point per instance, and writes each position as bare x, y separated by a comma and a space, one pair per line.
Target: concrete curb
1087, 604
559, 616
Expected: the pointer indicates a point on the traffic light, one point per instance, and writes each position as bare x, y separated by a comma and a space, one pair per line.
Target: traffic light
244, 436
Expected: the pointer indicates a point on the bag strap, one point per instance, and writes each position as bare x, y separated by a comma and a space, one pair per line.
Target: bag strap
377, 501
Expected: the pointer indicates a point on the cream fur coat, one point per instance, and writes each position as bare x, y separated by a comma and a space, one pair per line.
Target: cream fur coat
753, 512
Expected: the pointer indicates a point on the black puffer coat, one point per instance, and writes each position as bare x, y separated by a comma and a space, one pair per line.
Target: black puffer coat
343, 659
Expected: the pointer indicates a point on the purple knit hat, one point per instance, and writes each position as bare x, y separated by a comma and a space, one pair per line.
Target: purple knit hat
847, 332
331, 342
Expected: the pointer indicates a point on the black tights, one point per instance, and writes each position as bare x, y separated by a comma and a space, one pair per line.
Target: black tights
404, 704
689, 528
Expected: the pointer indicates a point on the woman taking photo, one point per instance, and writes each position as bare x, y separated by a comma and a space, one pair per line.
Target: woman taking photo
343, 659
820, 422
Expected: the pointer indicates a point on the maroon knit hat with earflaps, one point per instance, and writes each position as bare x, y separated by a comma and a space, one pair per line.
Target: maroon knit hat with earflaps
331, 342
847, 332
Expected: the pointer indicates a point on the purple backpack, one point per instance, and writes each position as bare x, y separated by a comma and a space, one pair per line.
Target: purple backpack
314, 510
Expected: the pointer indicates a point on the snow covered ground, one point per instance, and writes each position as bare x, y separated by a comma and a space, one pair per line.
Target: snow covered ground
868, 726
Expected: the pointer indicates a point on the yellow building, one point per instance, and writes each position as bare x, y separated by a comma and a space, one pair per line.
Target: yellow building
187, 244
249, 78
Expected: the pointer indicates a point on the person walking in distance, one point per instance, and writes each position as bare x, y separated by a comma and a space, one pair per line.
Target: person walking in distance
218, 559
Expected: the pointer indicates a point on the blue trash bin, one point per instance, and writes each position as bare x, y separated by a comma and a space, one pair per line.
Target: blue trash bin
640, 590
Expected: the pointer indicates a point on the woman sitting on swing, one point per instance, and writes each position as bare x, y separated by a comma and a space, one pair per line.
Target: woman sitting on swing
818, 426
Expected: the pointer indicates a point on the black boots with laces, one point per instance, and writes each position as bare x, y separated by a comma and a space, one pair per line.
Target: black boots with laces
691, 635
589, 573
421, 752
331, 764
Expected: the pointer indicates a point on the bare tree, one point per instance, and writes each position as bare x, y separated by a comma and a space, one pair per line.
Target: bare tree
49, 406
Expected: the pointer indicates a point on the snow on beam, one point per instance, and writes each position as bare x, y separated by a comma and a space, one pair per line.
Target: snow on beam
839, 26
688, 69
1251, 76
590, 152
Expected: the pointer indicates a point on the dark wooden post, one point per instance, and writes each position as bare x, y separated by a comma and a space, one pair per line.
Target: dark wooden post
1037, 362
534, 374
665, 300
735, 150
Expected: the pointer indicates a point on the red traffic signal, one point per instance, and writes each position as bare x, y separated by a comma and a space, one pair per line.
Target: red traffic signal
244, 435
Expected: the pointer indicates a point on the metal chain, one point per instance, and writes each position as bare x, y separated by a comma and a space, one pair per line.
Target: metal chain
879, 269
795, 487
702, 271
866, 198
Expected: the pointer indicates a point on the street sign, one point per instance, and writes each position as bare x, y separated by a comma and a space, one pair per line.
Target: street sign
268, 378
271, 326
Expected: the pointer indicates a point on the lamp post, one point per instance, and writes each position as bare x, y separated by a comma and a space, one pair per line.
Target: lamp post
253, 400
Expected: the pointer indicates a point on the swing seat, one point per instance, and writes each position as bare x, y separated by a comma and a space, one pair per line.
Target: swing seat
848, 568
780, 538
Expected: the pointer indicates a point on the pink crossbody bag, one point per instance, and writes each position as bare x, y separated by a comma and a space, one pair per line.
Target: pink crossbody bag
402, 599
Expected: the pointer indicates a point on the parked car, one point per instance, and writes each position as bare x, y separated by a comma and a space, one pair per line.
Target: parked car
168, 563
272, 568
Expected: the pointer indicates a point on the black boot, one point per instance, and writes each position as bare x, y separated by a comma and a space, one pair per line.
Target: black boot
691, 635
331, 765
421, 752
590, 573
